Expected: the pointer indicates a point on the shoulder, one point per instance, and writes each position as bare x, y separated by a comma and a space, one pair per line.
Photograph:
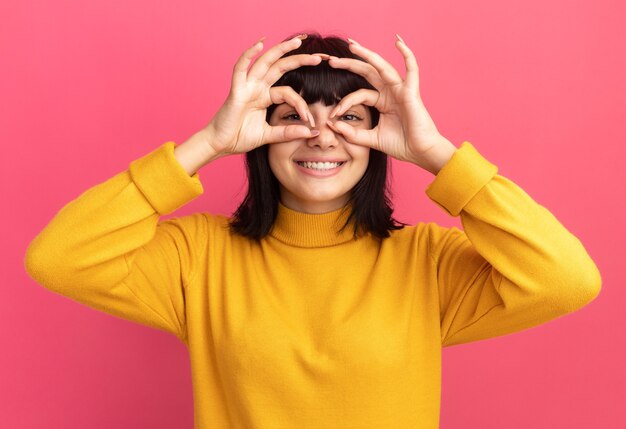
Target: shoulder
410, 235
423, 235
200, 225
411, 232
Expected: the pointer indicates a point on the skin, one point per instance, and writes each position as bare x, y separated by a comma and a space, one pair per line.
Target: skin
405, 130
302, 192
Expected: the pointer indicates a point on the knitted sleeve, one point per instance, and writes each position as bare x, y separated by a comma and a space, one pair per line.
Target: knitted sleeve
108, 250
514, 265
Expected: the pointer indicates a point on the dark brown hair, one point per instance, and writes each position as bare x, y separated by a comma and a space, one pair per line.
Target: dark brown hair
370, 198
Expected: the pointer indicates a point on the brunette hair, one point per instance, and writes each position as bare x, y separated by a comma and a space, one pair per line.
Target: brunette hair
370, 198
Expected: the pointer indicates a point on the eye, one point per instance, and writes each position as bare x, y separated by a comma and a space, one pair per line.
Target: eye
291, 117
350, 115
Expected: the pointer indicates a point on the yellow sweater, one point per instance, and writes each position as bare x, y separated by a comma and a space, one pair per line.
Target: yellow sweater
309, 328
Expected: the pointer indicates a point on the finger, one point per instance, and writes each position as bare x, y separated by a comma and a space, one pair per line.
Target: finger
265, 61
369, 97
286, 94
240, 71
324, 56
285, 133
355, 135
291, 62
387, 71
412, 70
359, 67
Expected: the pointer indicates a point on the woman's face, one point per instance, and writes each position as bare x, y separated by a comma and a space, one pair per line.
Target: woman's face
306, 185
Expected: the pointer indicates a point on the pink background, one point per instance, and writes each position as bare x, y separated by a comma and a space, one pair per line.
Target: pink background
87, 86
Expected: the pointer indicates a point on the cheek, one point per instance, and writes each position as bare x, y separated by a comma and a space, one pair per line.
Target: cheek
360, 154
278, 157
360, 157
272, 160
365, 154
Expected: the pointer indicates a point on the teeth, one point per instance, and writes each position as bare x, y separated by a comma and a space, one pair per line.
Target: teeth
319, 165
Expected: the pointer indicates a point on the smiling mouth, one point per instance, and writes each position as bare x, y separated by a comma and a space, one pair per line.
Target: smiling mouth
320, 166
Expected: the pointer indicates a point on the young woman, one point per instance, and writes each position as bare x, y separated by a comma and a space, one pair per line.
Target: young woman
311, 307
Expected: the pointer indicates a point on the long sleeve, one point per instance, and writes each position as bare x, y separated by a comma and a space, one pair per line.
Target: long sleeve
514, 265
108, 250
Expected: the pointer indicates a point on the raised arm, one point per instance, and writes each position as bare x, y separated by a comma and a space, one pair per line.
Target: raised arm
513, 267
107, 249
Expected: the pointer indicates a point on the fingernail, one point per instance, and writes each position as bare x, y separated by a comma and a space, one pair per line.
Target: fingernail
400, 38
332, 57
323, 56
353, 42
260, 40
302, 36
315, 132
311, 121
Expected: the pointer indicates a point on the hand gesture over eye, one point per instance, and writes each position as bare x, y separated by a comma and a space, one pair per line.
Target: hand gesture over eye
239, 125
405, 130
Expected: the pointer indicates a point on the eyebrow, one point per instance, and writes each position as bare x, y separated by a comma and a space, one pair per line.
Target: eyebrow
354, 106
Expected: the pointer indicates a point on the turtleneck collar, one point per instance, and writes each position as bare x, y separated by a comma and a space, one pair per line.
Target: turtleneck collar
312, 230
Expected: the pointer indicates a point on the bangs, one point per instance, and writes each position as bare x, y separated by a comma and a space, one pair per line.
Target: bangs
322, 83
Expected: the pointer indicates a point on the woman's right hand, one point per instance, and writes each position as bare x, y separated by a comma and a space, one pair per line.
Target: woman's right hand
239, 125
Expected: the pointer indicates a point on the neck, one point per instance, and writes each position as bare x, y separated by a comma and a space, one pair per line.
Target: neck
312, 207
302, 229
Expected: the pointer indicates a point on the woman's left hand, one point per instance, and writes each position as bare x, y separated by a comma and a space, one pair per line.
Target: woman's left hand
405, 130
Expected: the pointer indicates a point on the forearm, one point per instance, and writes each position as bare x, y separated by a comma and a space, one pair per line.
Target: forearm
513, 266
95, 231
435, 158
196, 152
107, 249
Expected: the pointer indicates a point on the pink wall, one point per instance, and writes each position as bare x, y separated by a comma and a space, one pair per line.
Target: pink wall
538, 88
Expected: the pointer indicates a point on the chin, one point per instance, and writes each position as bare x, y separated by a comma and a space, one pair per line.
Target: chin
318, 202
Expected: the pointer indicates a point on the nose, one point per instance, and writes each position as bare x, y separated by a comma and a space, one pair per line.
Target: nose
327, 138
